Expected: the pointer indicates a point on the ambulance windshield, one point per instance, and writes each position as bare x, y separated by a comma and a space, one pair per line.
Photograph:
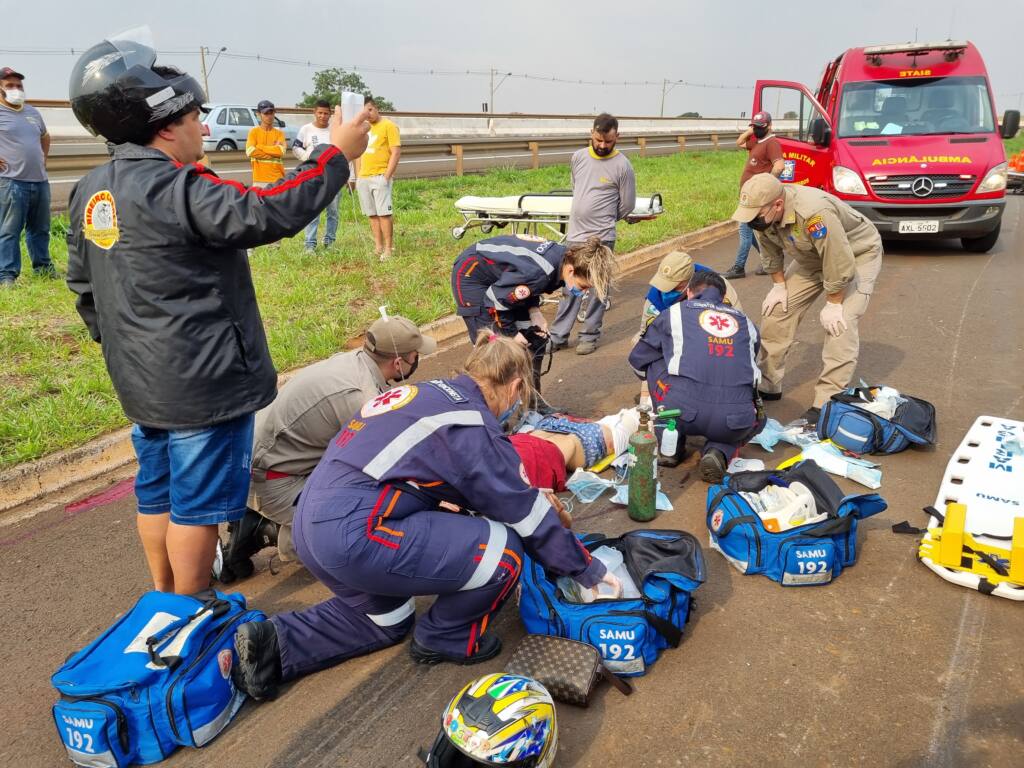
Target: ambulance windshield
916, 108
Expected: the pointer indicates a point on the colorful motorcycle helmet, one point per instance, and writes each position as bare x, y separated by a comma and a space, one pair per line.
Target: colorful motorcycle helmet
498, 719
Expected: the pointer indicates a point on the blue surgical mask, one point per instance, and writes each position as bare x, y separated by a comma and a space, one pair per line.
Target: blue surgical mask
577, 292
507, 414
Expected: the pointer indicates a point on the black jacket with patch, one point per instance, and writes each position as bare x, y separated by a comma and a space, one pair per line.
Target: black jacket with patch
156, 255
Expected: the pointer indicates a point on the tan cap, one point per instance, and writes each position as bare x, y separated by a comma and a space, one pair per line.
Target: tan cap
674, 269
755, 194
397, 336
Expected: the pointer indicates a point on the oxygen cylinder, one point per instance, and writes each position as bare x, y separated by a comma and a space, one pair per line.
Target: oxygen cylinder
642, 477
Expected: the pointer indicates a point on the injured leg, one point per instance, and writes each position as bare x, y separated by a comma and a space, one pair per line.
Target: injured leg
618, 427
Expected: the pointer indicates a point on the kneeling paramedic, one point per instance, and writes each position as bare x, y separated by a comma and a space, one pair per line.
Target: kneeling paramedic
293, 432
156, 255
375, 525
834, 250
668, 285
497, 284
698, 356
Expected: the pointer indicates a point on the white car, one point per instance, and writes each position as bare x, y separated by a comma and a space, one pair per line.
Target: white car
227, 126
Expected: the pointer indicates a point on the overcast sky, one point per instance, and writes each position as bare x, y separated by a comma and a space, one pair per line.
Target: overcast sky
729, 42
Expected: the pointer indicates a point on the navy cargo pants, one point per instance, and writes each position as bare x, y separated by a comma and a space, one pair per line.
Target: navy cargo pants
377, 548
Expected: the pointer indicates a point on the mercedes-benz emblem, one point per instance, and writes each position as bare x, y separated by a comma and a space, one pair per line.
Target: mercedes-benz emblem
922, 186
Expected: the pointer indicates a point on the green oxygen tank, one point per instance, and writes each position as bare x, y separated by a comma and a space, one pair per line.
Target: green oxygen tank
642, 480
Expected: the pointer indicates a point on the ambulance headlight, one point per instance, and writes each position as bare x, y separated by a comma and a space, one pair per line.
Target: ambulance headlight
847, 181
995, 180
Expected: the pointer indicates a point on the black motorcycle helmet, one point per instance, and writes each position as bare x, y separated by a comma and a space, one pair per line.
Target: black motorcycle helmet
119, 93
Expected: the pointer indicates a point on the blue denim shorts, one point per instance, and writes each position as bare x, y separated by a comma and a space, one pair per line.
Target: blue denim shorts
200, 476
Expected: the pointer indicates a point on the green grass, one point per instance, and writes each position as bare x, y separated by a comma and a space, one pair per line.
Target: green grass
54, 388
1014, 145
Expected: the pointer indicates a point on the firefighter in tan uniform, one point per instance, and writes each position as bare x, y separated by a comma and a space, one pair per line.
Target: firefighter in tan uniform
832, 250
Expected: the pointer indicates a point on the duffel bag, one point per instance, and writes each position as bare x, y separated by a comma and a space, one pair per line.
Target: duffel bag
852, 427
809, 554
157, 679
630, 633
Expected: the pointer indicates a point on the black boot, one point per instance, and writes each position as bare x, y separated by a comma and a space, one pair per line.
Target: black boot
713, 466
258, 671
246, 537
735, 272
488, 647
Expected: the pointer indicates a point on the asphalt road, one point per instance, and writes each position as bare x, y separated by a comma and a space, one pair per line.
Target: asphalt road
888, 666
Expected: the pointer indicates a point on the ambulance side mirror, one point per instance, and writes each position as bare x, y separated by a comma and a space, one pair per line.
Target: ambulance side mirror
821, 134
1011, 123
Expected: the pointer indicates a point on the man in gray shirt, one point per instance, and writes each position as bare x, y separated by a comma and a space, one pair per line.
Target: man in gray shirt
293, 432
603, 191
24, 189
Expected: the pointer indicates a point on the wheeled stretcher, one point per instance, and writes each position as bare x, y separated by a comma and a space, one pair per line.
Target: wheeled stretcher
530, 213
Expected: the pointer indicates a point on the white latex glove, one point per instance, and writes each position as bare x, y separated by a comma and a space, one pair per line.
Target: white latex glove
832, 319
537, 318
777, 296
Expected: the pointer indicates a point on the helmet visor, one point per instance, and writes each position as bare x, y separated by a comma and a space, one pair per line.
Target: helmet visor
135, 46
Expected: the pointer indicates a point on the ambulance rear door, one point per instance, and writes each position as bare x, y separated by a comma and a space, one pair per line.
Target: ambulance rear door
803, 129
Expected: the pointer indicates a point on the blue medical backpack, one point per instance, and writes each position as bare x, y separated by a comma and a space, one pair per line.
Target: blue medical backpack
814, 553
157, 679
855, 429
630, 633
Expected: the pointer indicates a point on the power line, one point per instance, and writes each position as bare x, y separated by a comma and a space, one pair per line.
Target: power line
409, 71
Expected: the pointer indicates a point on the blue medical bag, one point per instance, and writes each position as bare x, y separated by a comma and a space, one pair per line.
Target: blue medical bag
157, 679
667, 566
809, 554
851, 427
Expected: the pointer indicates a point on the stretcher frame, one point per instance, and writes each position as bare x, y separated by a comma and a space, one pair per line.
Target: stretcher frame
539, 223
983, 524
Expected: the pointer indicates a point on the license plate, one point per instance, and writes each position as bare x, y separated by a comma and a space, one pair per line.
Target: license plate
918, 227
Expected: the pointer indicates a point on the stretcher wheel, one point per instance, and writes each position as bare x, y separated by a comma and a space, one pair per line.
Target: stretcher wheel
486, 228
458, 232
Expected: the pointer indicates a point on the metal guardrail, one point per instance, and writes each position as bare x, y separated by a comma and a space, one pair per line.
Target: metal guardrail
430, 158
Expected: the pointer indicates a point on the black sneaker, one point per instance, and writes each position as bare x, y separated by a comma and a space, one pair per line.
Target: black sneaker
488, 647
713, 466
258, 671
735, 273
811, 414
770, 395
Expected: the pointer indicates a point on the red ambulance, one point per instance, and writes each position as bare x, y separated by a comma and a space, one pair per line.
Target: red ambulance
906, 134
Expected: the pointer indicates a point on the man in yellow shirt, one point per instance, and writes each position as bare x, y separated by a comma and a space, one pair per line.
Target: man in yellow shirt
376, 170
265, 148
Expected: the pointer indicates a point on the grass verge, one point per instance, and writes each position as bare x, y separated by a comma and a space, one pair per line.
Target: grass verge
54, 388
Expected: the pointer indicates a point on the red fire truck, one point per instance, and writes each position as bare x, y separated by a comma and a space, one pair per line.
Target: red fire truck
906, 134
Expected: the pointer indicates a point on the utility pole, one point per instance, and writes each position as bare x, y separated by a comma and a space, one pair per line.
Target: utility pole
202, 63
664, 86
490, 104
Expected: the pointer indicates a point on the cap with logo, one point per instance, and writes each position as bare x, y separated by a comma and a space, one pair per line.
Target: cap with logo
761, 120
265, 106
674, 269
8, 72
397, 336
755, 194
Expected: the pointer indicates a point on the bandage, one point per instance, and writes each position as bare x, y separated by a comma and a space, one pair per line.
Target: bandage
622, 425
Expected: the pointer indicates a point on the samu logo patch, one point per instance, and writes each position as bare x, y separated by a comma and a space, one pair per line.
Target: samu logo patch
100, 220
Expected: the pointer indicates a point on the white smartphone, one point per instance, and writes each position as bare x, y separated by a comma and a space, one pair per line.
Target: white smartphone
351, 103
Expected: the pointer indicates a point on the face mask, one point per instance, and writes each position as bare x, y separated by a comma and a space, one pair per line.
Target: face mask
758, 223
577, 292
15, 96
760, 132
412, 369
507, 414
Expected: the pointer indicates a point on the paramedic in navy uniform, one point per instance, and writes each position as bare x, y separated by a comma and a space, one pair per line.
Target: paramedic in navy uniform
375, 525
699, 356
497, 283
156, 256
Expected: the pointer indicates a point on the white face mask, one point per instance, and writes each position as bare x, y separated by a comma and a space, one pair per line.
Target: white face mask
14, 96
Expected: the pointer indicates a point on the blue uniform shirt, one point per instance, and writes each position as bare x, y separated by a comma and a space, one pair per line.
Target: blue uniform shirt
504, 277
704, 349
440, 437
